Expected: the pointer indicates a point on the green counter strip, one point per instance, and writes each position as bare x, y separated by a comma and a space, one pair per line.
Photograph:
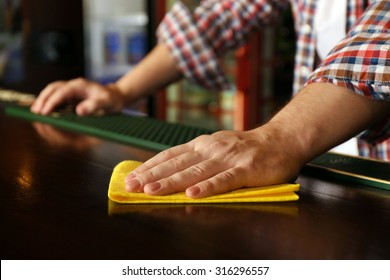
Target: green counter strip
143, 132
158, 135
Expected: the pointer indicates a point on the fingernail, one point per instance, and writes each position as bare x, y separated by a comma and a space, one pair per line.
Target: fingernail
193, 191
132, 185
153, 187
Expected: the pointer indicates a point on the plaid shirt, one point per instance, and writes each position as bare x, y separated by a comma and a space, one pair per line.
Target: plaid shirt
360, 62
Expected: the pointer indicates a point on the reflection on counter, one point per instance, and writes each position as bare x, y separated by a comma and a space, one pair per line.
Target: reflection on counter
204, 211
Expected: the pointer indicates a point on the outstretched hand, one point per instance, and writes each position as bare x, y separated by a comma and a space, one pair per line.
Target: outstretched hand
90, 97
214, 164
312, 123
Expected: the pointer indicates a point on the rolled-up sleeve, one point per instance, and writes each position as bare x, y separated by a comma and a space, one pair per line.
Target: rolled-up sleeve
198, 39
361, 62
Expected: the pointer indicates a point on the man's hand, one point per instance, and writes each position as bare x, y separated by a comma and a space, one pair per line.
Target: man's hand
154, 72
319, 118
218, 163
90, 96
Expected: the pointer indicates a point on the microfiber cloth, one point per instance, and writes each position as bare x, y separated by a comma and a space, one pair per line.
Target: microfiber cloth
274, 193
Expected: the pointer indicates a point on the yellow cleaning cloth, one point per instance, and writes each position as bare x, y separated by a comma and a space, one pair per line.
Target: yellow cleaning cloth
117, 192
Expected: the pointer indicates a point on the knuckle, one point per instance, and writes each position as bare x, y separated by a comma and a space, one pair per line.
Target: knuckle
54, 85
197, 170
203, 137
61, 92
150, 175
171, 185
177, 163
200, 140
166, 154
228, 176
79, 80
207, 188
145, 178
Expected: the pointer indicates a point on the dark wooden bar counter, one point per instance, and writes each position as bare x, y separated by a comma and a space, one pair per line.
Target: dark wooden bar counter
54, 205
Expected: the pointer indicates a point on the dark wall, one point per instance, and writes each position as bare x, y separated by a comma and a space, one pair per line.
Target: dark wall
52, 43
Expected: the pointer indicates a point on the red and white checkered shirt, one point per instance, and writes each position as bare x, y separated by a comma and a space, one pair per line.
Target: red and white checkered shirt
360, 62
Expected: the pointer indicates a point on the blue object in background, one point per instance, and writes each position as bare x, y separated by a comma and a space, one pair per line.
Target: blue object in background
112, 47
136, 47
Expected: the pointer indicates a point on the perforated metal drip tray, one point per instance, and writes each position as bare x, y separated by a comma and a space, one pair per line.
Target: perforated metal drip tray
143, 132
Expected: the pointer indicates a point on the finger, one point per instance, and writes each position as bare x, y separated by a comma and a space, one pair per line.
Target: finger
59, 96
222, 182
94, 98
163, 157
180, 181
136, 181
64, 92
74, 89
94, 103
44, 95
88, 106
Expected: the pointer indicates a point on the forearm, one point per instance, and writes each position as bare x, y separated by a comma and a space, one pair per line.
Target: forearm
322, 116
155, 71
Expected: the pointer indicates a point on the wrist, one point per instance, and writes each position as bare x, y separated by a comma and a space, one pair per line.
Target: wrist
117, 97
294, 141
286, 150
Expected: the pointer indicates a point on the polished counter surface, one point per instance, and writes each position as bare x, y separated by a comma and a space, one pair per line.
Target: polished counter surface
54, 205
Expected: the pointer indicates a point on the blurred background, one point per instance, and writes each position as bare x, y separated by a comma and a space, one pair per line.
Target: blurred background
46, 40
